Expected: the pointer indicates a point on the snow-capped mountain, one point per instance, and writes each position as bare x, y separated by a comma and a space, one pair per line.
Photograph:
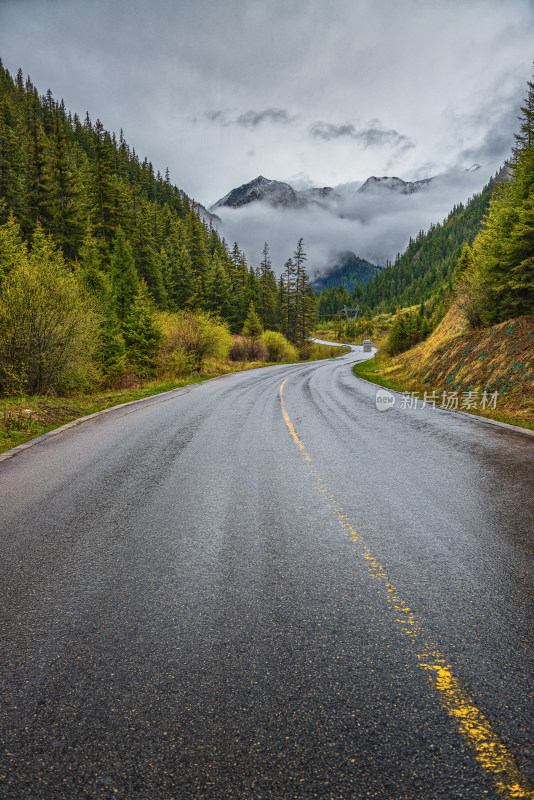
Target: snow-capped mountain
374, 184
278, 194
370, 221
275, 193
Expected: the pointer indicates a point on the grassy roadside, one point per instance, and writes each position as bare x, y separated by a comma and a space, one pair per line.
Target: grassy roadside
28, 416
25, 417
387, 372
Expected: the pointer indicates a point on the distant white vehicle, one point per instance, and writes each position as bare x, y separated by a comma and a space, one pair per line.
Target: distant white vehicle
367, 346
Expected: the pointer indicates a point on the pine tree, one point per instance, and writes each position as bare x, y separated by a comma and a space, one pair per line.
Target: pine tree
149, 263
64, 213
288, 300
522, 160
267, 306
304, 302
12, 248
464, 266
124, 277
198, 298
504, 251
103, 189
252, 327
91, 274
218, 290
36, 198
197, 246
307, 316
181, 284
10, 188
399, 336
142, 333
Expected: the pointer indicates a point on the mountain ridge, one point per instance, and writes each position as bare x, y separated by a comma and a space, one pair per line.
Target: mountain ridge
279, 193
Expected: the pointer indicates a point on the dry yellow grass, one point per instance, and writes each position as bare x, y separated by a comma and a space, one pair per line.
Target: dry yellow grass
454, 358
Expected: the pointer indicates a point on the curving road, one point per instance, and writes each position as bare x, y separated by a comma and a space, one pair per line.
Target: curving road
249, 590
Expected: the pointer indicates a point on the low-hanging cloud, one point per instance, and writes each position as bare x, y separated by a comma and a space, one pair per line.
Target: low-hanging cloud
204, 79
495, 139
373, 225
372, 135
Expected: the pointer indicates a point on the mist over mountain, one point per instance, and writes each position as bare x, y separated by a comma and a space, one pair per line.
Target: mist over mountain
279, 194
372, 219
374, 184
348, 271
262, 189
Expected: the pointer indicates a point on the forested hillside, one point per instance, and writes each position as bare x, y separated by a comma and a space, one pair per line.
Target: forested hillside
423, 272
348, 271
495, 277
485, 343
89, 229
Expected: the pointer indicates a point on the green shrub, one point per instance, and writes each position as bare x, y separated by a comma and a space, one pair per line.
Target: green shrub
49, 332
189, 339
278, 348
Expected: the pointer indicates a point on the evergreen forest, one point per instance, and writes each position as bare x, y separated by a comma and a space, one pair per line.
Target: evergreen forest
102, 259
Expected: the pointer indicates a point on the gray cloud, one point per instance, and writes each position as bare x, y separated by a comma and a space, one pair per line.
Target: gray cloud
191, 83
495, 141
249, 119
374, 135
219, 117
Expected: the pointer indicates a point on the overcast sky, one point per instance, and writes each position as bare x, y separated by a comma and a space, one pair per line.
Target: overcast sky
313, 92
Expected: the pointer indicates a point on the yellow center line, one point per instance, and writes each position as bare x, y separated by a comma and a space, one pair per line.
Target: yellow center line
489, 751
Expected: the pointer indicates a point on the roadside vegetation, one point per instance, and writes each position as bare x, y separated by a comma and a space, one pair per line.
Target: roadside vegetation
479, 340
114, 284
25, 416
459, 367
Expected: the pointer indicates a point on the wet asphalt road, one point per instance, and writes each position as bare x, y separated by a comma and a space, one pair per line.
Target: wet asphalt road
183, 616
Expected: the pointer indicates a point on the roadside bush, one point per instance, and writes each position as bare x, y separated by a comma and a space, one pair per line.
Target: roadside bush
171, 364
278, 348
257, 350
239, 350
305, 351
244, 349
49, 331
188, 340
